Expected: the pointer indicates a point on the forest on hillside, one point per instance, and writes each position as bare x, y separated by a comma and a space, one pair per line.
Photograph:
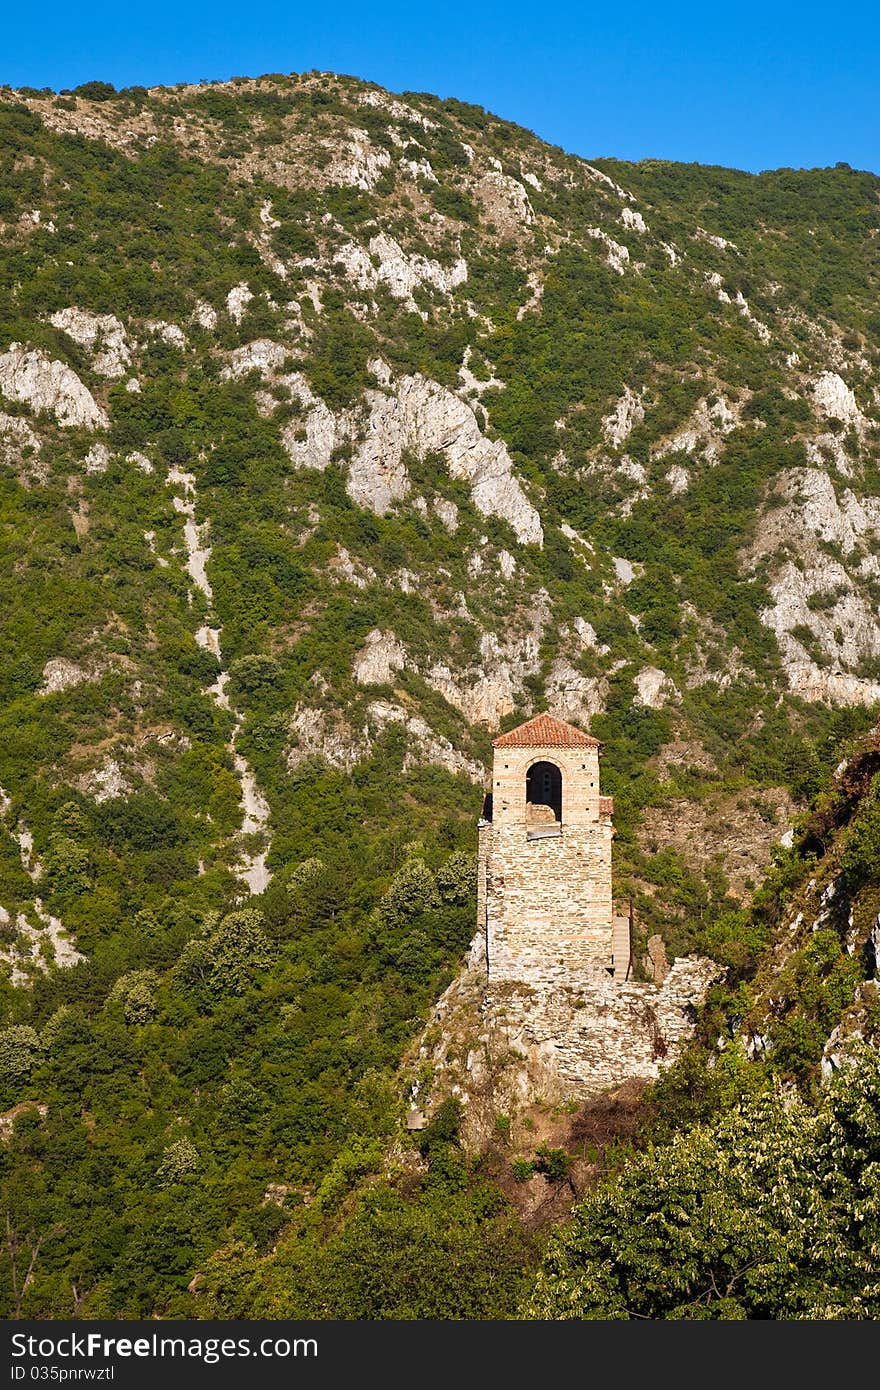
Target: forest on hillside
215, 596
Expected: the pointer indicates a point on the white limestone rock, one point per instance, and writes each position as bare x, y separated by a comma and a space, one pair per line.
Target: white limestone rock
654, 688
237, 300
170, 333
102, 336
20, 449
355, 162
425, 745
504, 201
678, 479
426, 418
98, 458
535, 285
418, 416
59, 674
317, 734
448, 514
705, 431
106, 782
377, 476
573, 696
46, 385
398, 109
633, 220
205, 316
833, 398
718, 241
380, 659
488, 691
343, 566
262, 355
140, 461
310, 442
628, 411
384, 262
587, 634
828, 449
506, 564
616, 255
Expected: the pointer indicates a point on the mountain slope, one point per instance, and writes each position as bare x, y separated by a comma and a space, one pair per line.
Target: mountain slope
339, 430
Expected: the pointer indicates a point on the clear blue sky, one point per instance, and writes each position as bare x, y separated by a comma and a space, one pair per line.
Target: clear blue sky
745, 84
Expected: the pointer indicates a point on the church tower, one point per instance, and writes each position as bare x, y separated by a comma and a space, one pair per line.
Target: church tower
544, 886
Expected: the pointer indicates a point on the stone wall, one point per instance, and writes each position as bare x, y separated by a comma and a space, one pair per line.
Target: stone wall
598, 1033
548, 902
503, 1047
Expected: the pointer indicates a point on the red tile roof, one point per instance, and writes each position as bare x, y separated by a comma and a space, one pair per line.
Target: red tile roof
546, 732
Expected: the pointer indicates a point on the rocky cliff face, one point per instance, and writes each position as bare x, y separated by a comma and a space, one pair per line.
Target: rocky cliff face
474, 427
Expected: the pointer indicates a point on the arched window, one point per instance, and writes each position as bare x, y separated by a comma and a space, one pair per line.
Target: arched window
544, 787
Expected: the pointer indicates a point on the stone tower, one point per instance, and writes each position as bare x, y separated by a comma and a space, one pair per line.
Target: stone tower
544, 886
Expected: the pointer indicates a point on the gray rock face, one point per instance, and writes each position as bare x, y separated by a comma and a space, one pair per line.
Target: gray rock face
381, 657
825, 594
426, 418
45, 385
559, 1041
60, 674
412, 415
102, 336
654, 688
319, 734
263, 355
20, 449
385, 263
628, 412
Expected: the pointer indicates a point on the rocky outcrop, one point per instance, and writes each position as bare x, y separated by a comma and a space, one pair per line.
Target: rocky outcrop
616, 255
354, 162
318, 733
170, 333
263, 356
414, 415
106, 782
384, 263
432, 419
20, 449
488, 691
833, 398
237, 300
59, 674
425, 746
628, 412
380, 659
573, 696
654, 689
822, 609
97, 460
510, 1046
310, 442
704, 432
504, 202
102, 336
49, 387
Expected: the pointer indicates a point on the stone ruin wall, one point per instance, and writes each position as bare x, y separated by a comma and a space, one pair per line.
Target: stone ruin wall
589, 1036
